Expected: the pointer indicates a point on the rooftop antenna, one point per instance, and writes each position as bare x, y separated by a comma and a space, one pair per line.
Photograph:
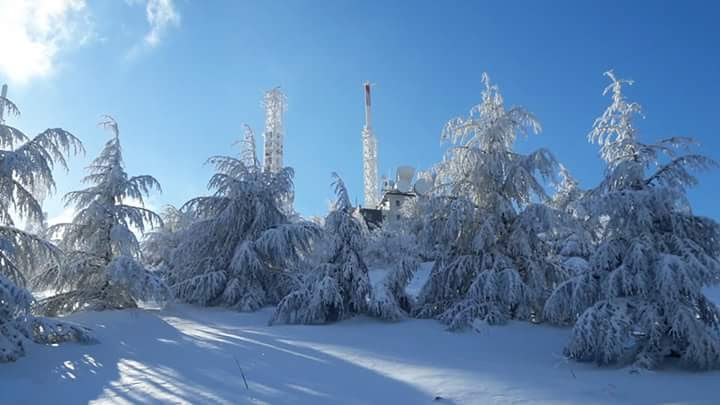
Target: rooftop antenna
370, 153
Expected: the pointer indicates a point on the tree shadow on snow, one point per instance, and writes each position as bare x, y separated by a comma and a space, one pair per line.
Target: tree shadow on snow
183, 356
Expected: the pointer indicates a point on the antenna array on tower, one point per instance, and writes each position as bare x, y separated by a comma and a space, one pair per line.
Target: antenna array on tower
275, 104
370, 154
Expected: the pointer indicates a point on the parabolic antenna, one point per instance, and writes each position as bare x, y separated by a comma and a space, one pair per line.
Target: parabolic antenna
404, 178
422, 187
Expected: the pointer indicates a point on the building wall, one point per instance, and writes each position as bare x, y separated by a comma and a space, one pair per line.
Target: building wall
392, 202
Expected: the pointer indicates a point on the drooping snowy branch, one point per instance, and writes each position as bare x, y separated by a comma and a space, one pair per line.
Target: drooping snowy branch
101, 268
388, 299
338, 288
241, 247
494, 262
641, 300
26, 175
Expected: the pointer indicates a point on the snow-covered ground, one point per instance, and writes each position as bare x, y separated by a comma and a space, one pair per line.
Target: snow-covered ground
186, 354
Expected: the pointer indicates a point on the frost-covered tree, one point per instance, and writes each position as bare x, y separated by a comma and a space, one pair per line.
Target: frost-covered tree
572, 241
642, 300
101, 268
568, 196
241, 248
26, 166
394, 248
419, 216
160, 243
388, 299
390, 243
340, 287
493, 264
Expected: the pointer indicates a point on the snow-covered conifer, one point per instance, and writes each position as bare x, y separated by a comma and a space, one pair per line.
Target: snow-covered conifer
572, 243
340, 287
568, 196
642, 300
101, 268
26, 166
394, 248
390, 243
241, 247
388, 299
160, 243
493, 264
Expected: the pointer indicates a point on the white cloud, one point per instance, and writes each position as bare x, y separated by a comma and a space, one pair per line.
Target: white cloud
161, 15
34, 32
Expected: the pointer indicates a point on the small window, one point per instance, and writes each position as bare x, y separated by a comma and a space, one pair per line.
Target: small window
397, 203
397, 217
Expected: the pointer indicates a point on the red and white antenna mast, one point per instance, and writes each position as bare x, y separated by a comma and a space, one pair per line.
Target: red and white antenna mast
367, 105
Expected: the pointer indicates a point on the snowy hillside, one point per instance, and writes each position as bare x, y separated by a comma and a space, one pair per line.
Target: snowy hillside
186, 354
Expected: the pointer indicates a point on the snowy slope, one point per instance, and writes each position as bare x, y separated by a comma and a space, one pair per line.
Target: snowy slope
186, 354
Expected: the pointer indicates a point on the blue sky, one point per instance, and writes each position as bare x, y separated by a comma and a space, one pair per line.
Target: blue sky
182, 76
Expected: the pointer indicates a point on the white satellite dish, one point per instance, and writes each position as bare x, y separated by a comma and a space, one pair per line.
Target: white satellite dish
404, 178
423, 187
